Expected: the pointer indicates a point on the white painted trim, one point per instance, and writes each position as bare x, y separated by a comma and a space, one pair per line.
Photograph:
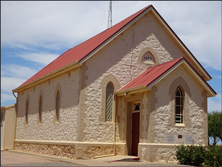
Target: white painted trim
164, 75
62, 142
114, 36
200, 80
208, 77
50, 75
130, 89
7, 107
47, 76
179, 125
132, 22
164, 144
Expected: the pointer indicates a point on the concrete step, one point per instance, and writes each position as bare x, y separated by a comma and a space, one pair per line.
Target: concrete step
126, 160
119, 158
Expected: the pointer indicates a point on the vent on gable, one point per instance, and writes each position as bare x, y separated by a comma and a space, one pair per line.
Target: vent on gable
148, 58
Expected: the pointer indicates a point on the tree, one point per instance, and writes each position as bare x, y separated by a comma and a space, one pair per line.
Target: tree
215, 127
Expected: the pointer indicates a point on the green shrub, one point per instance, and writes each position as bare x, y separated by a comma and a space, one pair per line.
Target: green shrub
213, 156
200, 155
190, 155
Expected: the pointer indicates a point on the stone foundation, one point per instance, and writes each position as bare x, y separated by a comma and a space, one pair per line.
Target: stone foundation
47, 149
158, 153
72, 151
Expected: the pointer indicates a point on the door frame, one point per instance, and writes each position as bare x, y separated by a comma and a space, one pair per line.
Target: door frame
130, 111
135, 137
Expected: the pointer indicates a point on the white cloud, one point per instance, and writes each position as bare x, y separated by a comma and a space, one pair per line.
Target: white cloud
29, 25
55, 24
214, 104
10, 83
6, 97
17, 71
13, 76
199, 29
42, 58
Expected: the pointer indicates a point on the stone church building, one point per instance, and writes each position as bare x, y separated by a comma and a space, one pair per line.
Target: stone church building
133, 89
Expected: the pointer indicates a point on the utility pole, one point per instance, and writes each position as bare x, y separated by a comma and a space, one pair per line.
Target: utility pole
110, 15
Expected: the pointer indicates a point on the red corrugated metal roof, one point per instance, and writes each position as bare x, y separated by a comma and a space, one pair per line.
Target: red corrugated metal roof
182, 43
80, 51
151, 74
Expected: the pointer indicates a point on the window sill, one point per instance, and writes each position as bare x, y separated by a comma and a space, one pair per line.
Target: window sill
180, 125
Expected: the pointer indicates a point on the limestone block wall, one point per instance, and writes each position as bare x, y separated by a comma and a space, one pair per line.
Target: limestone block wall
120, 121
66, 128
162, 118
121, 58
193, 123
157, 152
145, 118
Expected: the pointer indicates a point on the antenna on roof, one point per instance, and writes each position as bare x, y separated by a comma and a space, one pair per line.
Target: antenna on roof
110, 15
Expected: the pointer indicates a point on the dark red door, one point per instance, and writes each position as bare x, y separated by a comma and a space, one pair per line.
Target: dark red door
135, 132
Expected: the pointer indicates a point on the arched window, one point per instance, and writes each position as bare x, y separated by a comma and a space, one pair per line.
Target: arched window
179, 101
136, 106
57, 105
109, 101
26, 112
40, 110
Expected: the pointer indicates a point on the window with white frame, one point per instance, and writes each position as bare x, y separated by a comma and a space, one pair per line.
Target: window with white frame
179, 101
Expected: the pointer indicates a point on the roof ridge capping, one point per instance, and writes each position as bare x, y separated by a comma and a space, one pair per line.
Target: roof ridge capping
182, 44
125, 22
79, 52
83, 51
148, 70
150, 77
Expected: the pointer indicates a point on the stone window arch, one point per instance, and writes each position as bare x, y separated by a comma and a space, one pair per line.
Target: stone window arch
179, 105
148, 56
109, 101
184, 87
103, 84
57, 106
40, 109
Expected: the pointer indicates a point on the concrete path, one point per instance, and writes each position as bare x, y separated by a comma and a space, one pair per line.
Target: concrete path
18, 158
9, 158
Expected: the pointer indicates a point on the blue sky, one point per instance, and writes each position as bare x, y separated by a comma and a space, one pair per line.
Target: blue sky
33, 33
